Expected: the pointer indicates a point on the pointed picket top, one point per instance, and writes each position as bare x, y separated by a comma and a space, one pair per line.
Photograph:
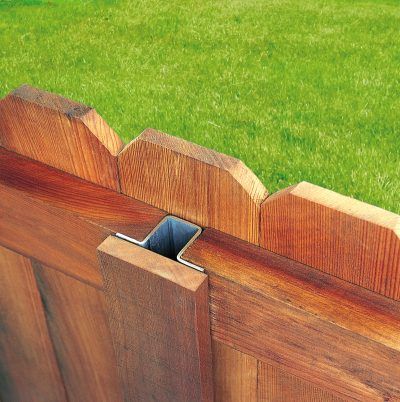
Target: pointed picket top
193, 182
61, 133
350, 239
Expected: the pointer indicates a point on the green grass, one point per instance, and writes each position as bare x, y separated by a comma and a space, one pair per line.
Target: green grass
297, 89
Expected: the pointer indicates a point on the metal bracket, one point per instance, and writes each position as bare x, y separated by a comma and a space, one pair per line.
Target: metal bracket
170, 238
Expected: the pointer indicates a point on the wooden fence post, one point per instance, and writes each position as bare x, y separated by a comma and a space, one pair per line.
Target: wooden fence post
158, 316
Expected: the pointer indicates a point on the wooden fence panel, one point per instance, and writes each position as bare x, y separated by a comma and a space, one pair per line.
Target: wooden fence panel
28, 367
335, 234
281, 330
158, 313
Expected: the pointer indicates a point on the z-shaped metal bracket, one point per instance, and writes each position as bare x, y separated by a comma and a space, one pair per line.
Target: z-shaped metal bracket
170, 238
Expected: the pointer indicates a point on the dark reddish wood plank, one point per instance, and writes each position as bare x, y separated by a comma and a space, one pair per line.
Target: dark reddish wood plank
339, 235
60, 133
158, 314
337, 335
28, 367
103, 207
78, 326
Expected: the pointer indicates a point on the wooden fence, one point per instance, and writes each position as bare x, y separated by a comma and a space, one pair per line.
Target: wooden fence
299, 299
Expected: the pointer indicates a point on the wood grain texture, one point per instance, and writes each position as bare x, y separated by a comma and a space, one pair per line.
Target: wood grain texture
50, 235
337, 335
192, 182
28, 367
344, 237
103, 207
275, 385
61, 133
158, 315
235, 375
78, 326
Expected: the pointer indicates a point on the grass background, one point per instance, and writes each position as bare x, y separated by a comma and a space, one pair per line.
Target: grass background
297, 89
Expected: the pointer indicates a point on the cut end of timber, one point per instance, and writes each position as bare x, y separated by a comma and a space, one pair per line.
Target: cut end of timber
49, 100
170, 270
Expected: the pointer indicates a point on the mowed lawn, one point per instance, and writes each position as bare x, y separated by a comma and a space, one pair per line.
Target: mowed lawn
297, 89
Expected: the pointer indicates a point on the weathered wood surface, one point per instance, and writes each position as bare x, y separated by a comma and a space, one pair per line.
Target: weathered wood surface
28, 367
339, 336
192, 182
335, 234
79, 330
61, 133
235, 374
158, 315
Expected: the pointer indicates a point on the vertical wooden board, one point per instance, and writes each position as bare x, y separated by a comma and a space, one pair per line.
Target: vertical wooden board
235, 375
79, 330
158, 314
61, 133
192, 182
28, 368
275, 385
344, 237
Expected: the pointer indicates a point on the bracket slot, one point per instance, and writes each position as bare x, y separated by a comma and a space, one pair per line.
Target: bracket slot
170, 238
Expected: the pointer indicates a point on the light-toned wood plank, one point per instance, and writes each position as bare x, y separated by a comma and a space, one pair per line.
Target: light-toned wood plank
61, 133
276, 385
332, 333
235, 375
158, 314
344, 237
28, 367
78, 326
192, 182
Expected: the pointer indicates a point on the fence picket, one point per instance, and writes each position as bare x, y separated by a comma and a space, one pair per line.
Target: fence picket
338, 235
61, 133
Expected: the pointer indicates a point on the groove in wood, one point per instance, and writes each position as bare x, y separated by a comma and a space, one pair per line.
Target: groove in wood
28, 367
76, 317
